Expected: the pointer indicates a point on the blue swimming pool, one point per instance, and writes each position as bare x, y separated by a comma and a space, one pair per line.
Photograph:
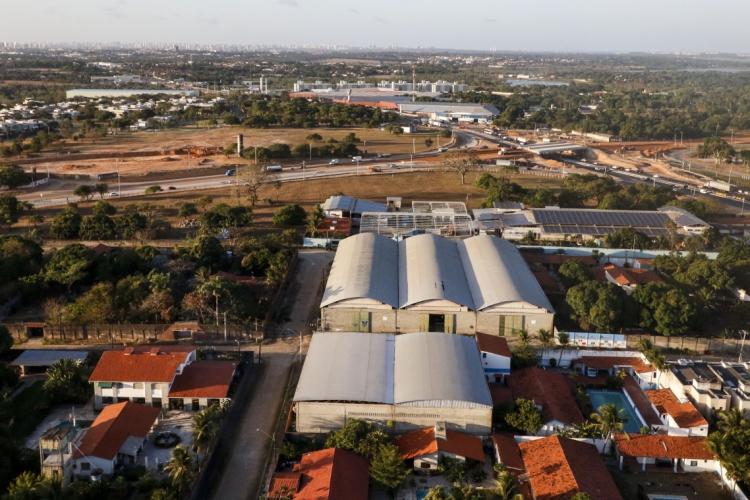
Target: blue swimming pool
421, 494
600, 398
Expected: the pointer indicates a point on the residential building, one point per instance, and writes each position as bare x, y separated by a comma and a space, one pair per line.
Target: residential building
495, 356
140, 374
330, 474
700, 383
508, 453
55, 453
116, 437
681, 453
399, 383
550, 393
558, 468
119, 93
680, 418
430, 283
629, 279
203, 383
426, 447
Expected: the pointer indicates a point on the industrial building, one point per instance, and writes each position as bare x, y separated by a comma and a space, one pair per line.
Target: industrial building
428, 283
462, 112
401, 383
124, 93
553, 223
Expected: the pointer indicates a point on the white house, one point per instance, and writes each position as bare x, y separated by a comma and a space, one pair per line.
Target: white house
683, 454
681, 418
495, 356
428, 446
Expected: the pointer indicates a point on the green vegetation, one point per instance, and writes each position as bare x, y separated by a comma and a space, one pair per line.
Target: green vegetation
289, 215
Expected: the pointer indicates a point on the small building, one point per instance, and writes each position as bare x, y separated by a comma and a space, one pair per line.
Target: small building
701, 383
593, 365
629, 279
140, 374
550, 393
507, 452
495, 356
337, 207
116, 437
426, 447
55, 453
679, 453
330, 474
558, 468
38, 360
680, 418
203, 383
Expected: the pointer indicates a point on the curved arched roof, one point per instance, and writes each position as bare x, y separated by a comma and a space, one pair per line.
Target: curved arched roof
497, 274
366, 266
430, 269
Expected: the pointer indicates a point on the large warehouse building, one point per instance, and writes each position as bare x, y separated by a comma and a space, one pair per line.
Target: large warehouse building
427, 283
396, 382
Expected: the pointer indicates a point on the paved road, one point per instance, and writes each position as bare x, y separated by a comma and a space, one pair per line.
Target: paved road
246, 469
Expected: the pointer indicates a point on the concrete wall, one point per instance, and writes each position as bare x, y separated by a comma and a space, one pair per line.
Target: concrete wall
495, 366
107, 466
700, 466
315, 417
431, 459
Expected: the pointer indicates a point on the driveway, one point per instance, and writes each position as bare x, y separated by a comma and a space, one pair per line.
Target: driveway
250, 454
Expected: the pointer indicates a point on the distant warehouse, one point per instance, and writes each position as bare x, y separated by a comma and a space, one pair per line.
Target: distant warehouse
428, 283
451, 111
124, 93
397, 382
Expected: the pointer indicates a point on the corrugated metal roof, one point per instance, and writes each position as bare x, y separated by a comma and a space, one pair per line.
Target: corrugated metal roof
42, 357
497, 273
366, 266
507, 205
439, 369
449, 108
354, 205
416, 369
342, 366
429, 269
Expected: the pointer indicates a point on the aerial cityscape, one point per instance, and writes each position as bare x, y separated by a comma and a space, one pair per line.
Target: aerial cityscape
354, 252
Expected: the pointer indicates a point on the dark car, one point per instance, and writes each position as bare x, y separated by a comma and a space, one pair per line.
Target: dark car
172, 188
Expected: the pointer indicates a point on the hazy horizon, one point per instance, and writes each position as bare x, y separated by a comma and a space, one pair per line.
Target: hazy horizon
535, 26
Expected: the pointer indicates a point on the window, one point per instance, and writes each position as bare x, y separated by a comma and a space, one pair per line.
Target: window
85, 466
55, 472
424, 465
138, 385
484, 354
693, 463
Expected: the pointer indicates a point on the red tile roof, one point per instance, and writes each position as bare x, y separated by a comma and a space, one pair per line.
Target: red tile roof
204, 379
422, 442
333, 474
493, 344
641, 401
112, 427
558, 468
290, 480
625, 276
510, 453
599, 273
685, 414
330, 226
657, 446
546, 282
499, 393
140, 364
548, 389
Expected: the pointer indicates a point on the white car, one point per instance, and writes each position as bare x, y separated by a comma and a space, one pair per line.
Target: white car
703, 191
333, 162
113, 194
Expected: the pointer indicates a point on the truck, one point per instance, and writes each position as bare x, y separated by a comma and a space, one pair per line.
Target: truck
273, 168
356, 159
719, 186
374, 168
384, 155
489, 131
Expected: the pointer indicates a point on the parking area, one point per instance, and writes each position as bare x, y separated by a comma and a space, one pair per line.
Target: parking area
177, 422
704, 485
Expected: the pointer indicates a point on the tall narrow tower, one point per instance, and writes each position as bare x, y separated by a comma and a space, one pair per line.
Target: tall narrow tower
413, 82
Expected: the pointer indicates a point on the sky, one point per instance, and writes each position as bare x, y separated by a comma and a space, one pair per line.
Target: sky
520, 25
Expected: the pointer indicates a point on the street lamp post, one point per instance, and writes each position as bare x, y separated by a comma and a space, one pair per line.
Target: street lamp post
742, 346
273, 438
300, 342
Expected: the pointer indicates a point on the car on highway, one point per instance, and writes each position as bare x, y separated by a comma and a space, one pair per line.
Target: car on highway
639, 171
392, 165
703, 191
598, 169
226, 182
384, 155
113, 194
442, 150
333, 162
229, 173
172, 188
484, 147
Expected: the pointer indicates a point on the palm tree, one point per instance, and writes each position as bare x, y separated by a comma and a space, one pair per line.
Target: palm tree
523, 337
437, 493
610, 420
564, 339
736, 467
205, 427
504, 487
645, 345
659, 362
732, 420
706, 297
545, 337
181, 468
715, 444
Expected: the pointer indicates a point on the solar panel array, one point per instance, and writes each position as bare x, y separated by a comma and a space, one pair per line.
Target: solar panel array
597, 230
600, 218
514, 220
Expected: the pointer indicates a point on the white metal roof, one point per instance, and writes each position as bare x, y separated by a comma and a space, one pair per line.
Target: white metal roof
354, 205
456, 108
430, 269
492, 265
366, 266
415, 369
48, 357
476, 273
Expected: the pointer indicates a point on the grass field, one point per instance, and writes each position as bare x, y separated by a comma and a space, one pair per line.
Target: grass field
423, 186
26, 409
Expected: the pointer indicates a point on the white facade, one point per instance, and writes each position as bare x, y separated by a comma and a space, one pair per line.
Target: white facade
495, 366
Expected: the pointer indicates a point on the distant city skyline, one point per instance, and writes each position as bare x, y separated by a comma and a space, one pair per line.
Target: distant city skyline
537, 25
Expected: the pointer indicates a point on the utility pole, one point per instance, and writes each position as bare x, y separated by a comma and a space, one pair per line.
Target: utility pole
742, 346
225, 326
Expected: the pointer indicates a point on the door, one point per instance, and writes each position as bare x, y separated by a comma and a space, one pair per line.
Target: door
436, 323
361, 321
510, 325
450, 323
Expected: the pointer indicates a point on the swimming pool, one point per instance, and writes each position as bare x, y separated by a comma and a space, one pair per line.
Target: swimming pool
599, 398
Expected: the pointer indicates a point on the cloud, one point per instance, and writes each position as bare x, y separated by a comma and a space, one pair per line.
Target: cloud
291, 3
114, 12
491, 20
354, 11
208, 20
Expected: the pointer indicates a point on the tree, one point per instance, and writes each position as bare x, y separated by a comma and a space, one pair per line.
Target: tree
314, 220
733, 420
573, 272
545, 337
84, 191
437, 493
524, 417
205, 427
289, 215
388, 468
504, 486
609, 419
67, 382
153, 190
461, 163
564, 339
580, 496
626, 237
13, 176
102, 207
129, 224
523, 336
181, 468
664, 308
101, 188
601, 305
186, 210
6, 339
428, 143
94, 307
315, 137
69, 265
541, 198
8, 209
97, 227
254, 177
204, 201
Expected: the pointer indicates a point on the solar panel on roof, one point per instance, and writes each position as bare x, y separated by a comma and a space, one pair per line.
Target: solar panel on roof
513, 220
600, 218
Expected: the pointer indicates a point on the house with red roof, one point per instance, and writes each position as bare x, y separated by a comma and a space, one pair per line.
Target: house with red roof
678, 453
330, 474
551, 393
116, 437
558, 468
140, 374
203, 383
426, 447
628, 278
681, 418
495, 356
